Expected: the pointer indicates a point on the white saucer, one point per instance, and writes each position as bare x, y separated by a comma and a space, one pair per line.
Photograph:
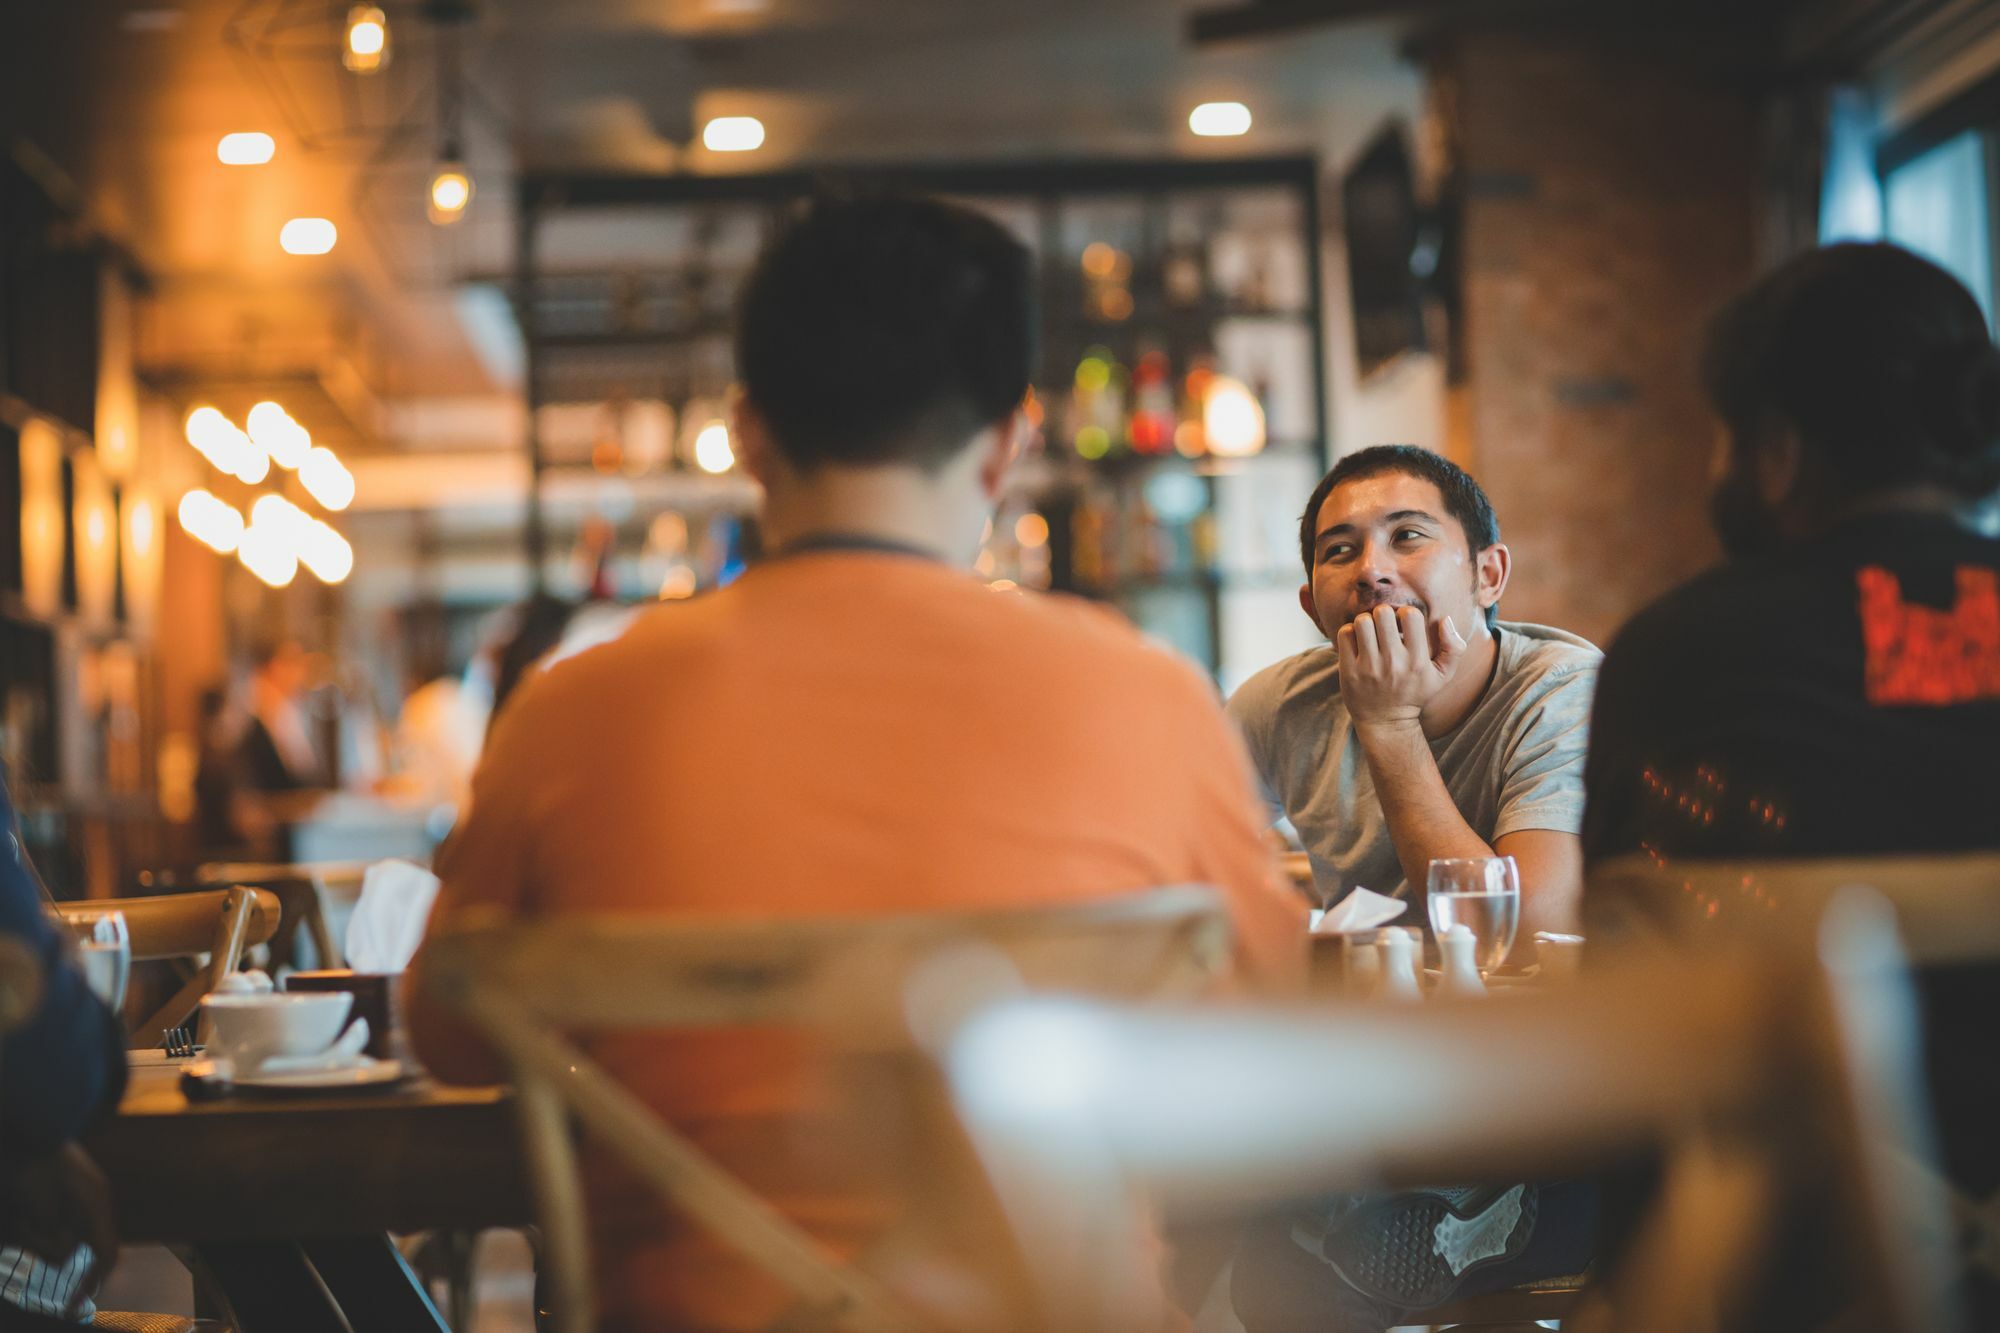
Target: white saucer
365, 1072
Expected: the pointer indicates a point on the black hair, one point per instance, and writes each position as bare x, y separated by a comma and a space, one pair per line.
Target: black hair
1878, 360
885, 329
1464, 500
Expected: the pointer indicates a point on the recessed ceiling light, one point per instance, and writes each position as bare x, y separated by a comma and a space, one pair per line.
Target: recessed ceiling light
733, 134
150, 18
1219, 120
248, 148
308, 236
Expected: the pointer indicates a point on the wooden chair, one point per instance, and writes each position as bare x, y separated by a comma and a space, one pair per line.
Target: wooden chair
220, 923
848, 979
1947, 907
1743, 1071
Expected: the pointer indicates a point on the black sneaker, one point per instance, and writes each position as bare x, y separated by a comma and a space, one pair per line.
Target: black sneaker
1413, 1250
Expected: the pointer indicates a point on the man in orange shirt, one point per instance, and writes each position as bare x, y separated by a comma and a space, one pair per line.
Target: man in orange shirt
857, 726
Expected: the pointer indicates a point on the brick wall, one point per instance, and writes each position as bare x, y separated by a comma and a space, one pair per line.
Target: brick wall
1609, 211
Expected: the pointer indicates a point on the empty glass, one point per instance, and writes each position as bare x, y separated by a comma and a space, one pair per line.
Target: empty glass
106, 949
1483, 894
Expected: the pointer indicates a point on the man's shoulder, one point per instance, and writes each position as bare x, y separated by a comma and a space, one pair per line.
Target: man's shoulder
1538, 653
1729, 600
1309, 676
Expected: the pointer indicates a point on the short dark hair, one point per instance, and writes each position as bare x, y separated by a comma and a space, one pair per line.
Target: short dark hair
885, 329
1879, 361
1463, 498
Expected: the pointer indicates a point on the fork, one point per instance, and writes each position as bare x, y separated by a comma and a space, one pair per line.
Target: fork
179, 1043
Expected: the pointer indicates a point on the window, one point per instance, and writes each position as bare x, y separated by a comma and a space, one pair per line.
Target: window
1939, 206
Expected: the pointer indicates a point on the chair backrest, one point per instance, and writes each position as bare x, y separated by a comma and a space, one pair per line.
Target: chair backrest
1947, 907
1743, 1072
858, 982
221, 923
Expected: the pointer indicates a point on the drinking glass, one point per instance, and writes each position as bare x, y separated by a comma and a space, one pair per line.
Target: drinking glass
1483, 894
106, 949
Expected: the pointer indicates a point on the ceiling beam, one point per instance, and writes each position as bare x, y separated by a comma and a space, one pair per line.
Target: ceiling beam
1271, 18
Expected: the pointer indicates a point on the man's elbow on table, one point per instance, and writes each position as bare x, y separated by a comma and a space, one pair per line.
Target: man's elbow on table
1551, 865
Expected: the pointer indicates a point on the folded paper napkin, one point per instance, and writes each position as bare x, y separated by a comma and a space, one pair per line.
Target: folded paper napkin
389, 917
1363, 909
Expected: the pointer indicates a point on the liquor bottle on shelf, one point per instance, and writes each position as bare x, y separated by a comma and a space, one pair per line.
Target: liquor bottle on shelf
1151, 429
1184, 276
1096, 416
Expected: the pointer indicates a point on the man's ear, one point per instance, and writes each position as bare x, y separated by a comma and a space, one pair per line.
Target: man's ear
1490, 573
1777, 462
1312, 612
751, 435
997, 452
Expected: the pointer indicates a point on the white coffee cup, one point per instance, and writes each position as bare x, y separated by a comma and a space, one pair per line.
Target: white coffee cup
248, 1029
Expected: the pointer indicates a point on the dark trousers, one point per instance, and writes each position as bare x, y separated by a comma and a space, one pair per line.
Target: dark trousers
1279, 1287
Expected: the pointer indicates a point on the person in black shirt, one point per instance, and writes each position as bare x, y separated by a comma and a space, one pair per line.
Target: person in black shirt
1836, 683
1834, 687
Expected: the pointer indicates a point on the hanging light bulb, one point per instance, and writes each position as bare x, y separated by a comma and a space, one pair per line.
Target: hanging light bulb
451, 190
366, 47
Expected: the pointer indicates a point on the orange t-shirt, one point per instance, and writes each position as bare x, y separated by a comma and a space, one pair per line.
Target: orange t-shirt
839, 733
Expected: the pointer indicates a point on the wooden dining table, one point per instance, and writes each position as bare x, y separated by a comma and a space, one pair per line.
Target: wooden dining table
288, 1201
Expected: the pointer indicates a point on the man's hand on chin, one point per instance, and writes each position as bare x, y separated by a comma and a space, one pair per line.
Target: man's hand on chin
1392, 664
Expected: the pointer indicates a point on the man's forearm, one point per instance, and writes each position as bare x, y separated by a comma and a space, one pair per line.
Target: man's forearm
1424, 822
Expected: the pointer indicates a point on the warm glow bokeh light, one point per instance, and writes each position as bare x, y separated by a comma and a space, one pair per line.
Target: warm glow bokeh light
367, 44
267, 553
247, 148
308, 236
212, 522
1220, 120
1232, 419
326, 479
712, 451
733, 134
451, 191
325, 552
273, 431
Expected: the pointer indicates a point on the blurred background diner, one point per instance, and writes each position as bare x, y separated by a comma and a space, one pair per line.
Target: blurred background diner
359, 362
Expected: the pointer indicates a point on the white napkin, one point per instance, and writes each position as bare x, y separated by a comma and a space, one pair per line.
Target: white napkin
1363, 909
389, 917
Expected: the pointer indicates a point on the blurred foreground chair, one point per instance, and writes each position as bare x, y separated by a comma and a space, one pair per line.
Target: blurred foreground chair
221, 923
1739, 1073
859, 982
1947, 910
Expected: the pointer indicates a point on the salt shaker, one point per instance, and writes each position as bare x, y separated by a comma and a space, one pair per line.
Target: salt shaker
1362, 968
1399, 965
1461, 972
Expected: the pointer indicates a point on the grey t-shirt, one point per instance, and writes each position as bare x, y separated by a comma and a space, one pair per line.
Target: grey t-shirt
1515, 763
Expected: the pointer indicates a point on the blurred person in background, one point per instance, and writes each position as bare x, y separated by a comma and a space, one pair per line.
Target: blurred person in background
1833, 687
275, 752
857, 725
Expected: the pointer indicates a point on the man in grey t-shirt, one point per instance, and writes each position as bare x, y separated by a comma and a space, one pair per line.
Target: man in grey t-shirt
1427, 728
